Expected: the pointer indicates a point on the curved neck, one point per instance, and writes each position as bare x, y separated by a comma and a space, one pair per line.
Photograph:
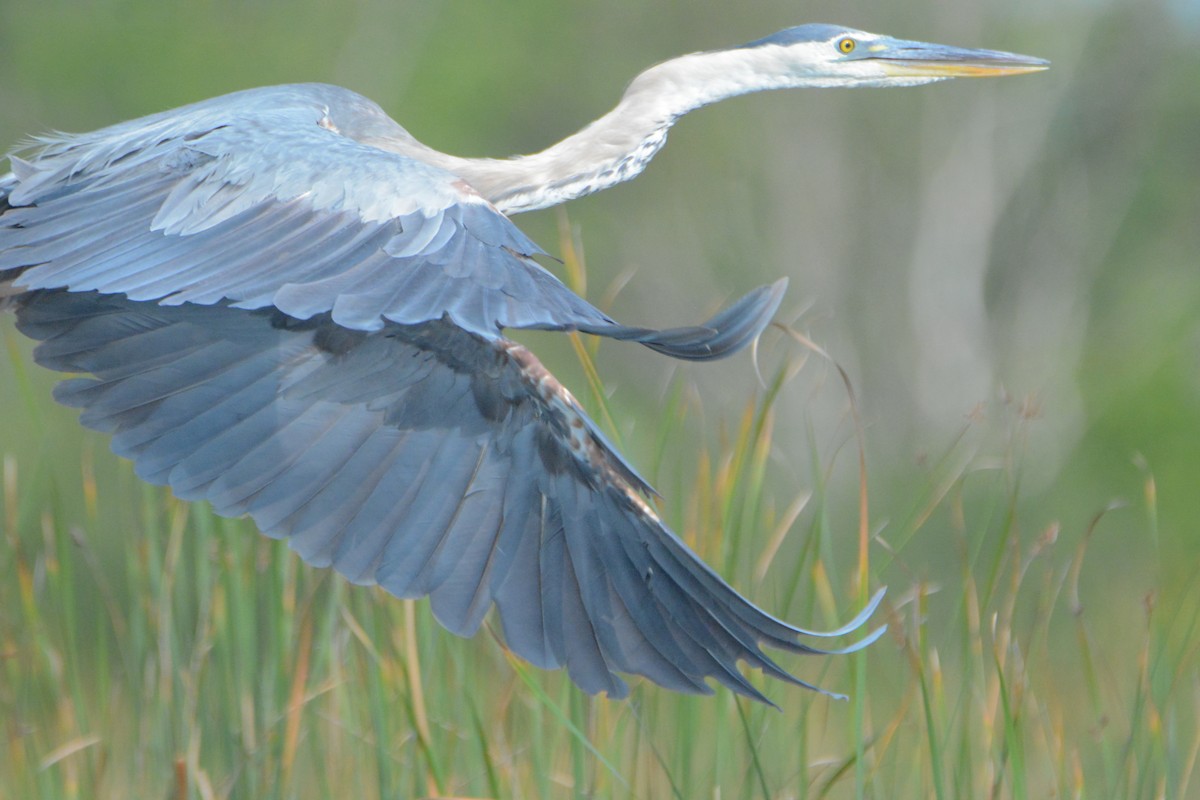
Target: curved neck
618, 146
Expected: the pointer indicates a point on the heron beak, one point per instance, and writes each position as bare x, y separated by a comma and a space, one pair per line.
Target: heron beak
903, 59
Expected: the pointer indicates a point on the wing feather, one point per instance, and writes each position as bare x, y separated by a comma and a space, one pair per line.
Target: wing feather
588, 661
278, 197
461, 565
426, 459
205, 204
281, 318
317, 529
523, 615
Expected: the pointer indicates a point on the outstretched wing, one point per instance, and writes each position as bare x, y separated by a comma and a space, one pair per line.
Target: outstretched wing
288, 321
425, 458
275, 197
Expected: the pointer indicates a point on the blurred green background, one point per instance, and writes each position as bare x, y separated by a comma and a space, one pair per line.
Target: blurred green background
1006, 270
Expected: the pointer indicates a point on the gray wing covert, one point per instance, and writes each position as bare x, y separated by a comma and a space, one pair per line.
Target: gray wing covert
424, 458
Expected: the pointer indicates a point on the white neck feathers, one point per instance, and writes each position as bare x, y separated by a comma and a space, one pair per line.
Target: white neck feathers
617, 146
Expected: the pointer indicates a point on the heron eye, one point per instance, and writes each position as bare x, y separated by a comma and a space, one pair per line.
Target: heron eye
847, 45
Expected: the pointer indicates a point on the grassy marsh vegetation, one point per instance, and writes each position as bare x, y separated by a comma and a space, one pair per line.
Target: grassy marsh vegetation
1039, 549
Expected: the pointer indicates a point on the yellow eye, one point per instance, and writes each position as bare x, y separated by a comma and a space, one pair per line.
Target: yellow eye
847, 45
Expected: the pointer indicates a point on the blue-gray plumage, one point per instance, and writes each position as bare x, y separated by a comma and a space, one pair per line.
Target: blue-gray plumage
290, 308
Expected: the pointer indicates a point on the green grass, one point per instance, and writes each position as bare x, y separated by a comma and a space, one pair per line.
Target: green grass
151, 649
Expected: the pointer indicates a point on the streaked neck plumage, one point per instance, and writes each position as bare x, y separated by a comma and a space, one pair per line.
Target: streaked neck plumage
617, 146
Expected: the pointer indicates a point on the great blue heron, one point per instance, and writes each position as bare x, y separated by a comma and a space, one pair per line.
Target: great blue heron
291, 308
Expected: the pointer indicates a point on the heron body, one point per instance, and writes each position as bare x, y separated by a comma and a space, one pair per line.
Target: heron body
289, 307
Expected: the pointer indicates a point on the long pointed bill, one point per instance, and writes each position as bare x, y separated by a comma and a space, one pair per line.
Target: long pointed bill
919, 59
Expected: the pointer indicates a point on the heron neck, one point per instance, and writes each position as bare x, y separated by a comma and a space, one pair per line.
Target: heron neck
617, 146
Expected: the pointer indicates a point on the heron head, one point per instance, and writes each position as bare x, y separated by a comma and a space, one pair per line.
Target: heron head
837, 56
